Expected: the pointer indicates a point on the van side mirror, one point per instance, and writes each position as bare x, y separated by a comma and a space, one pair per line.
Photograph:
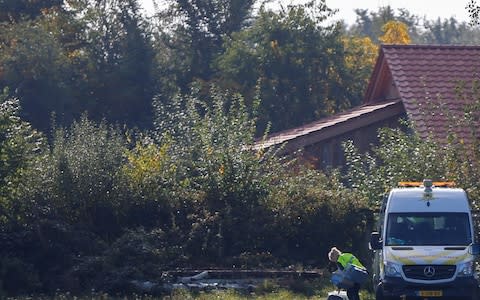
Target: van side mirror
375, 241
474, 249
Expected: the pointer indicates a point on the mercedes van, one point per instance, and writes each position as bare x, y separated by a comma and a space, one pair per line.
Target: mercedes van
424, 247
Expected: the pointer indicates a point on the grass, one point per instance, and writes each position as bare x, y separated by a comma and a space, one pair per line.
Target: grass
186, 295
277, 295
269, 290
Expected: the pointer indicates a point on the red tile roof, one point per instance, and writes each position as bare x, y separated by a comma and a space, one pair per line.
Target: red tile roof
427, 78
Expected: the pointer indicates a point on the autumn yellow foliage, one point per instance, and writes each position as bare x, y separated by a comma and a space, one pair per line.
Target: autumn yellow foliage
145, 161
360, 51
360, 57
395, 32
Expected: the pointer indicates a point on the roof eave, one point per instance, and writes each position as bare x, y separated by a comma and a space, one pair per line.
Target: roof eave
300, 141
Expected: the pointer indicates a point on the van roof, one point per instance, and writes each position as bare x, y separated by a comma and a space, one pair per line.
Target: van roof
441, 200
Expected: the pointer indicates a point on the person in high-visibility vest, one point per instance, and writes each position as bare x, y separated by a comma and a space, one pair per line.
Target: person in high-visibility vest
343, 260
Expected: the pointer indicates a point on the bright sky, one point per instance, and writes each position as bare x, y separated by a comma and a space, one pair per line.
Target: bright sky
432, 9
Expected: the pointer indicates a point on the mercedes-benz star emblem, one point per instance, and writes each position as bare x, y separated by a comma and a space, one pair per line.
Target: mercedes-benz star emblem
429, 271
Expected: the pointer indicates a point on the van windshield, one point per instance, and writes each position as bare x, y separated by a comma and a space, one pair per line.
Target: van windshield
435, 229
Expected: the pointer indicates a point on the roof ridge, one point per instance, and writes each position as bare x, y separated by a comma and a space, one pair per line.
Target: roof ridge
431, 46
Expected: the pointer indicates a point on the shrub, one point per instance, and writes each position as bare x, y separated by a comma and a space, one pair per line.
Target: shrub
400, 156
19, 146
308, 208
18, 276
136, 255
77, 180
222, 179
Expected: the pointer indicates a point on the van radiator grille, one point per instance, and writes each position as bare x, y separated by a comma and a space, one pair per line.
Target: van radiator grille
424, 272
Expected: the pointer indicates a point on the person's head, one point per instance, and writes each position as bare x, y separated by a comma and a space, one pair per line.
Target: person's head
334, 254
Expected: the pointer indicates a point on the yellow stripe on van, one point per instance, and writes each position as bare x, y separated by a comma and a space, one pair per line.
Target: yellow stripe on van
446, 257
458, 259
401, 259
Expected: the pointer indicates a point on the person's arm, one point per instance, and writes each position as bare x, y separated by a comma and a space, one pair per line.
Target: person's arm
332, 267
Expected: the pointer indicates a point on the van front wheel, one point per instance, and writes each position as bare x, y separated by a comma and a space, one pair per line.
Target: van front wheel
379, 294
475, 294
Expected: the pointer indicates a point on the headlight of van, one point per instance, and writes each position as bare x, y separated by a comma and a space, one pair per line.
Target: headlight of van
393, 269
465, 269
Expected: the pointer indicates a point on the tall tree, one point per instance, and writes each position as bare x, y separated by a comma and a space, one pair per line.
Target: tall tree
89, 55
370, 23
450, 31
14, 10
360, 57
420, 29
395, 33
37, 68
121, 83
195, 30
298, 62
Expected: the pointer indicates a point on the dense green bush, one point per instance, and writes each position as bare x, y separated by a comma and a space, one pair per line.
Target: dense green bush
138, 255
306, 208
18, 275
77, 181
225, 180
62, 203
252, 202
19, 146
101, 209
400, 156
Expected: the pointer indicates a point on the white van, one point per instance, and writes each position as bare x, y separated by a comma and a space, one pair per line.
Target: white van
424, 247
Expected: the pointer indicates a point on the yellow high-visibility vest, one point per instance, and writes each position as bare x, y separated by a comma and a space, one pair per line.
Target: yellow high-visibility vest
348, 258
